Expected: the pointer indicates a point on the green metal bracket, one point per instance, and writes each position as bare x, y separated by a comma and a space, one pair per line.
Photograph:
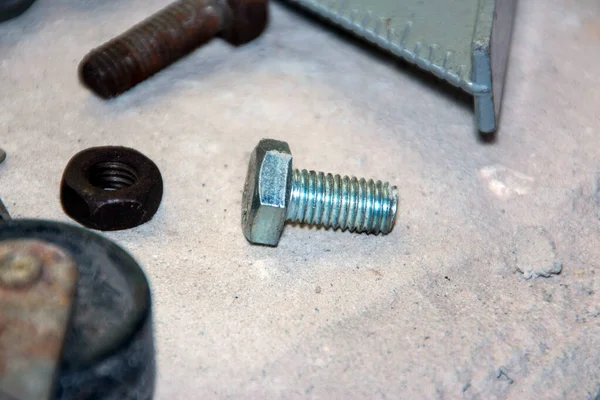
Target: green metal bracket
464, 42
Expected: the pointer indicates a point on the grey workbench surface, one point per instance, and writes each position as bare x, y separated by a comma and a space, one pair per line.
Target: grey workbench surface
440, 308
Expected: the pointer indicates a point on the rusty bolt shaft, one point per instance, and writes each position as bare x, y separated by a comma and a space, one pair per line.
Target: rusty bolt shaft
167, 36
152, 45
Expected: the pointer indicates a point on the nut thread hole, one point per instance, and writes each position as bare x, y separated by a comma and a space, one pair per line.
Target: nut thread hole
113, 175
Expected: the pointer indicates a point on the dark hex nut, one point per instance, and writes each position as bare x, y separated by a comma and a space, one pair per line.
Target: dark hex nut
111, 188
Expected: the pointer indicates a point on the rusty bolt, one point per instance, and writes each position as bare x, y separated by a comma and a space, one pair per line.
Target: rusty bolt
167, 36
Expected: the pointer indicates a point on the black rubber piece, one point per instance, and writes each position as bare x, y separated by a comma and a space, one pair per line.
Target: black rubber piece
111, 188
109, 348
13, 8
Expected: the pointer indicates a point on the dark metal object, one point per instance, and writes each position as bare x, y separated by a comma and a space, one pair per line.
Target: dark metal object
34, 313
108, 352
111, 188
13, 8
4, 215
165, 37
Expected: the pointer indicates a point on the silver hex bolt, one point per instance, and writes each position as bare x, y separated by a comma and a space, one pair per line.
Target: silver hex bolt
275, 193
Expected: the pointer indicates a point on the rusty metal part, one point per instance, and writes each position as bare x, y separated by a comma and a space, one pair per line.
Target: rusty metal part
18, 269
111, 188
37, 288
108, 350
167, 36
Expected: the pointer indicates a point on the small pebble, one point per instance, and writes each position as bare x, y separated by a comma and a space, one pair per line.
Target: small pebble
535, 254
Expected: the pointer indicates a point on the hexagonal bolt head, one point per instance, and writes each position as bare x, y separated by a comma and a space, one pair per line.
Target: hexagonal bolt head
267, 192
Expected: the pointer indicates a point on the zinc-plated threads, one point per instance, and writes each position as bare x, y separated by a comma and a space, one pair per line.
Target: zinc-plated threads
345, 202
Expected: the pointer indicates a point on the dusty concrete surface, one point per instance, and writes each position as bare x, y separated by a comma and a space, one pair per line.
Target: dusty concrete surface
440, 308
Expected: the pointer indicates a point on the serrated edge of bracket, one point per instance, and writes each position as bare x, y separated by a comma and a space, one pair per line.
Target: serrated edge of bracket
372, 28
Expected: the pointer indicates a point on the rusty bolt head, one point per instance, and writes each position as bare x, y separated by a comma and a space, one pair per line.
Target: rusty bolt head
267, 192
111, 188
249, 19
19, 268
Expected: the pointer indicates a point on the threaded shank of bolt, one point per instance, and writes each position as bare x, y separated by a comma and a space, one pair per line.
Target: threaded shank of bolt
150, 46
345, 203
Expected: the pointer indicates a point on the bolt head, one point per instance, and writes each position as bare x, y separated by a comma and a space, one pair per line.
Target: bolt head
19, 269
249, 20
267, 192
